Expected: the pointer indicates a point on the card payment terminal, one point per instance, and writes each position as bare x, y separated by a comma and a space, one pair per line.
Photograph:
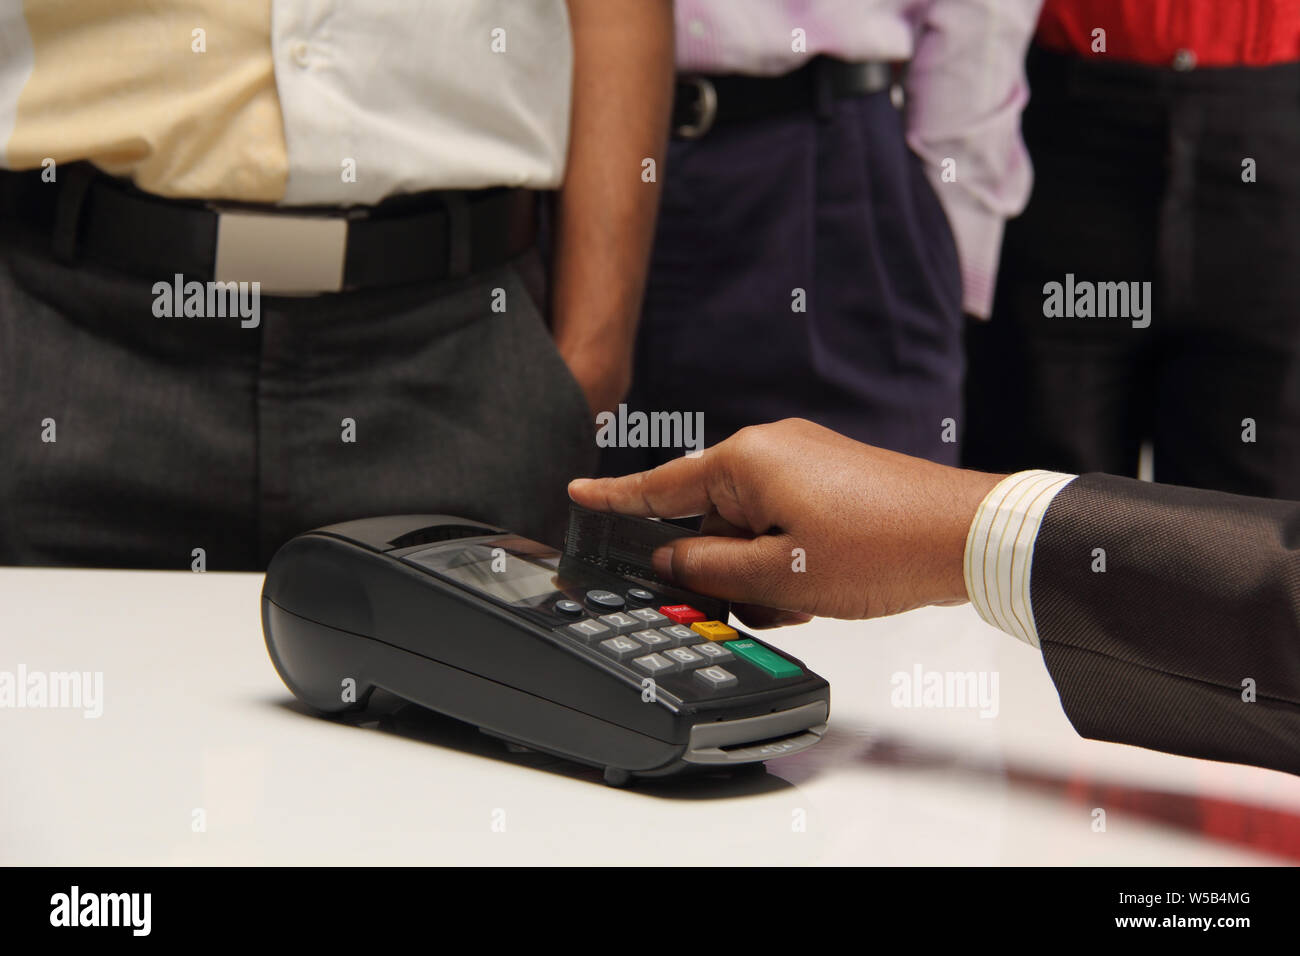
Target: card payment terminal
532, 646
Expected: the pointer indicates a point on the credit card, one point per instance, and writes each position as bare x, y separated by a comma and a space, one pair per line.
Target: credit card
624, 546
618, 543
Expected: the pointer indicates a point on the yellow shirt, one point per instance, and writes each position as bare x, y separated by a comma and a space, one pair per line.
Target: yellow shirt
123, 83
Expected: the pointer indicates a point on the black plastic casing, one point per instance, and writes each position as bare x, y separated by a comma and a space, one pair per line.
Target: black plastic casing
339, 603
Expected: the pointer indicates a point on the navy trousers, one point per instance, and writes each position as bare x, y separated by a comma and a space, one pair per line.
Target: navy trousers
830, 213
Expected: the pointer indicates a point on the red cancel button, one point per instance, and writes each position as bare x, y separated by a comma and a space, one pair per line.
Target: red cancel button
681, 613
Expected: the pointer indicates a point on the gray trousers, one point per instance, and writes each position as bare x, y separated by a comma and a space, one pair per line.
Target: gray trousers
171, 434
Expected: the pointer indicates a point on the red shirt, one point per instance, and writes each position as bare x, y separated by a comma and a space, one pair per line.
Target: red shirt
1191, 32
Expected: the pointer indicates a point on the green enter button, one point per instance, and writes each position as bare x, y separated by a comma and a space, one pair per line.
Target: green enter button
768, 661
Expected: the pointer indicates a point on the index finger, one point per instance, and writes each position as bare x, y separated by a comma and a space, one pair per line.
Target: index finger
676, 489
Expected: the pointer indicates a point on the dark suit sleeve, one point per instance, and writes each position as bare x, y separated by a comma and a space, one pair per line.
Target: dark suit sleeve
1200, 596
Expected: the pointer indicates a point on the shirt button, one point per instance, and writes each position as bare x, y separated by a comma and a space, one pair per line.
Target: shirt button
301, 53
697, 28
1184, 60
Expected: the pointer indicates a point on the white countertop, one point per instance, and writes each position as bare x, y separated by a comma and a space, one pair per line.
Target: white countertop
195, 718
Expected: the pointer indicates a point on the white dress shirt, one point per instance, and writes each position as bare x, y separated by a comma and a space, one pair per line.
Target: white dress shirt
416, 93
999, 558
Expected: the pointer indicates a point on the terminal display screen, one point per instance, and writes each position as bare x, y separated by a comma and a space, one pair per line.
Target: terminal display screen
502, 575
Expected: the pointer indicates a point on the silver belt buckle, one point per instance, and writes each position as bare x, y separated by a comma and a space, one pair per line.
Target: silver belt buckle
706, 108
287, 254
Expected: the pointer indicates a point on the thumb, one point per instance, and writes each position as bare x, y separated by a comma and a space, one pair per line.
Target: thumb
747, 570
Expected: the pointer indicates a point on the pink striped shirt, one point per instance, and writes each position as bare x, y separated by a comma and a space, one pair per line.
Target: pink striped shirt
964, 90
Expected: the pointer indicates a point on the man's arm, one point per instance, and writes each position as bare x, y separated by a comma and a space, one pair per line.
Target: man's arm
1170, 618
1188, 641
622, 96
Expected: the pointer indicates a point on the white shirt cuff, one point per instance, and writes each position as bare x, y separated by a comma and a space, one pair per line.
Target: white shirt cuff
1000, 549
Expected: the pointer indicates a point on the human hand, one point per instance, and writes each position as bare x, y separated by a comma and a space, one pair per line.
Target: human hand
799, 521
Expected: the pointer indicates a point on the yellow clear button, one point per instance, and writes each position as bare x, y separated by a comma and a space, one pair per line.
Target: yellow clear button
714, 630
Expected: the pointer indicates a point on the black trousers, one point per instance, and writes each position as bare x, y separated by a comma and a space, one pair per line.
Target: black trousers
1141, 175
180, 433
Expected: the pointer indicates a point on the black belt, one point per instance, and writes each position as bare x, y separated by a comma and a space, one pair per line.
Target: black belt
414, 238
704, 101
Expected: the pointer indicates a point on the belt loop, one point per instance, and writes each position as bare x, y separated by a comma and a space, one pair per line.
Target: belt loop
77, 178
824, 87
458, 235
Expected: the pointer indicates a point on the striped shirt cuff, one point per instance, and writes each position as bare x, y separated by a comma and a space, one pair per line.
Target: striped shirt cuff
1000, 549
